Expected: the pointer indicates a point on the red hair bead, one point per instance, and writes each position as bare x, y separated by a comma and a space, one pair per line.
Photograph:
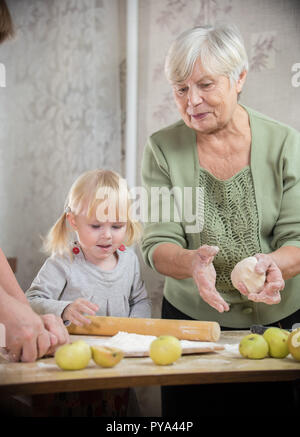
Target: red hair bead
122, 247
76, 250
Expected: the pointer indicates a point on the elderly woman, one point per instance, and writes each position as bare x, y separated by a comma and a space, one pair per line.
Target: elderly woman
248, 168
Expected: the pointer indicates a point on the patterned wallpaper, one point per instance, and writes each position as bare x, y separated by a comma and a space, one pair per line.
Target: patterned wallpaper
59, 115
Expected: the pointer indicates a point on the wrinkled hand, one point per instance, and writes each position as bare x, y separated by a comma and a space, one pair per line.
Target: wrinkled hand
58, 332
204, 275
75, 311
26, 337
274, 283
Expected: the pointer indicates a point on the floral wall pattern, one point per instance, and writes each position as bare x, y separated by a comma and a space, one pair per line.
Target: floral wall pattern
59, 114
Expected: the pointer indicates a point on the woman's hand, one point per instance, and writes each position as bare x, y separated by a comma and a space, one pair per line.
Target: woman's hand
26, 336
58, 332
204, 275
75, 310
274, 283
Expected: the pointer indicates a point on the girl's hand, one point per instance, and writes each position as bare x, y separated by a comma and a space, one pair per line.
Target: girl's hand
75, 310
274, 283
204, 275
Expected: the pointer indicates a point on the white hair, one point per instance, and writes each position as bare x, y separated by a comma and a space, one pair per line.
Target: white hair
220, 48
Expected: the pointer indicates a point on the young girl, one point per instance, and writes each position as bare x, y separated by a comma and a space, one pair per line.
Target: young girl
91, 274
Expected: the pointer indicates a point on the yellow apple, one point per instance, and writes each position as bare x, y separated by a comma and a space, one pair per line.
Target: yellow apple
294, 344
278, 342
254, 346
73, 356
106, 356
165, 350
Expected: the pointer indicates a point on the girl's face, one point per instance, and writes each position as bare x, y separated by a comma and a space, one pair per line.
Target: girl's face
98, 240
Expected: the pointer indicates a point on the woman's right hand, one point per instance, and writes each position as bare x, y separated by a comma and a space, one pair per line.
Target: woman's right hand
204, 275
75, 311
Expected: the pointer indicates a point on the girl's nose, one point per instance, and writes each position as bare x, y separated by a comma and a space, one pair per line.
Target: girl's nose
106, 233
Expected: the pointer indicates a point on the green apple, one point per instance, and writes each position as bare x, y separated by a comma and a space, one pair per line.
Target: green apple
165, 350
254, 346
294, 344
278, 342
73, 356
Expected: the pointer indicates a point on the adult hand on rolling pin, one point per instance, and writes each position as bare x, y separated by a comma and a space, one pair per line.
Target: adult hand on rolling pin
274, 283
204, 275
75, 311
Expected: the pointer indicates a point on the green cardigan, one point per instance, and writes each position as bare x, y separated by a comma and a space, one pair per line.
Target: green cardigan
170, 160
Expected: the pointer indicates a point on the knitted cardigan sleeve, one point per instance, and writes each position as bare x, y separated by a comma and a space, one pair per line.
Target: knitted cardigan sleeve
287, 228
158, 230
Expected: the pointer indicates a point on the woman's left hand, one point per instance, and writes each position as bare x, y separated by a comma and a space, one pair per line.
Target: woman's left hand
274, 282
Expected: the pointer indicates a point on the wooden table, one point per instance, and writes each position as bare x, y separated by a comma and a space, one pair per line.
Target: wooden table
225, 366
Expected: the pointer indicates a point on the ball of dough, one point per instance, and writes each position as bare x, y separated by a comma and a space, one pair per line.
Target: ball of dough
244, 272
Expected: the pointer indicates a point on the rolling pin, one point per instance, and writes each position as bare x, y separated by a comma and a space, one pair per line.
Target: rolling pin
182, 329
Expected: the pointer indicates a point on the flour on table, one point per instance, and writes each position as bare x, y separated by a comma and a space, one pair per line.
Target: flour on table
127, 342
137, 343
232, 348
46, 365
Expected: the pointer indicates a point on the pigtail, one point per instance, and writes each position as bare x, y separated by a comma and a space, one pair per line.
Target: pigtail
134, 232
57, 239
6, 24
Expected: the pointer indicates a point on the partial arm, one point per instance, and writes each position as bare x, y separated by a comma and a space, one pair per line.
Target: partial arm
8, 281
26, 337
287, 259
172, 260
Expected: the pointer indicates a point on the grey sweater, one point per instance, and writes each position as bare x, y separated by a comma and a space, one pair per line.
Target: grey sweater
119, 292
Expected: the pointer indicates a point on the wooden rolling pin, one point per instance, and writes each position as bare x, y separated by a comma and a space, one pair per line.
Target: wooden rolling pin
182, 329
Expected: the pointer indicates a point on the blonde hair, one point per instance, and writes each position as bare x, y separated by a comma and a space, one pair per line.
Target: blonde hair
93, 189
220, 48
6, 25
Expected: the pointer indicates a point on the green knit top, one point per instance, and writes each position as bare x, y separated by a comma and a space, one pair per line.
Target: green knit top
258, 210
231, 223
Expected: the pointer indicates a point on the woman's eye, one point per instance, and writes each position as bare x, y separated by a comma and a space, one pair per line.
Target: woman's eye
206, 85
181, 91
